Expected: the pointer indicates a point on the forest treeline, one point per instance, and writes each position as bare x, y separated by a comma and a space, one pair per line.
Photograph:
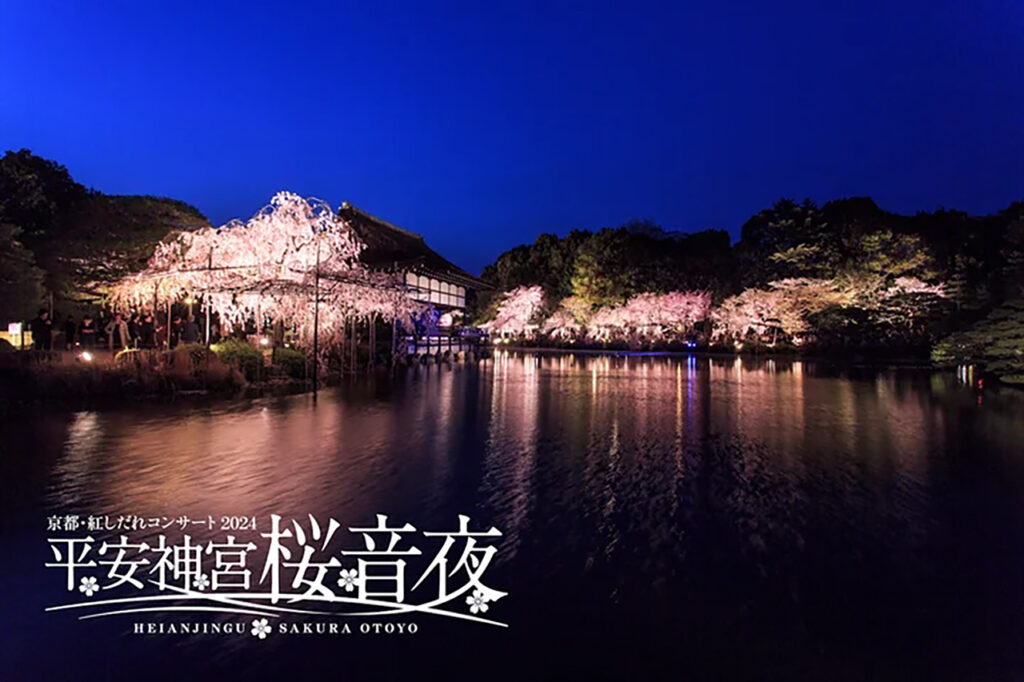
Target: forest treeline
62, 243
844, 276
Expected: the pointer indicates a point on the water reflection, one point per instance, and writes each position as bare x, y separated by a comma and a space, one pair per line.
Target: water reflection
513, 434
602, 436
767, 496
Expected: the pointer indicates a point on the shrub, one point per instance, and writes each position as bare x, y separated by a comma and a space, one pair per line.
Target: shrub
139, 360
995, 342
241, 354
197, 352
195, 366
292, 361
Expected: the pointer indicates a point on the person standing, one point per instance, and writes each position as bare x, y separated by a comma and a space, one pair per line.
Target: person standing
42, 329
102, 322
69, 333
160, 331
147, 332
176, 331
133, 330
190, 331
87, 333
117, 332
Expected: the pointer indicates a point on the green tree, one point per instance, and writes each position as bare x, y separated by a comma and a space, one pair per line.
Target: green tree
82, 240
602, 275
39, 197
21, 282
892, 255
1013, 251
995, 342
786, 240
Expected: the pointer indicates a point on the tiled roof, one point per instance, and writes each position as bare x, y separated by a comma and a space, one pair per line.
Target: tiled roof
390, 246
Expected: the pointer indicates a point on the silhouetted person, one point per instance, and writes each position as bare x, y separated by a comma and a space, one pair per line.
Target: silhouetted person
159, 332
176, 331
69, 333
102, 322
133, 329
42, 329
190, 331
147, 332
87, 333
117, 332
278, 333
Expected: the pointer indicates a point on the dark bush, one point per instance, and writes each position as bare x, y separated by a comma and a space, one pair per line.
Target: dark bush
241, 354
292, 361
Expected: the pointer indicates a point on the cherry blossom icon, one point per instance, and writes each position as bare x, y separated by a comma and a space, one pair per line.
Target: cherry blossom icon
260, 628
349, 579
478, 602
89, 586
201, 582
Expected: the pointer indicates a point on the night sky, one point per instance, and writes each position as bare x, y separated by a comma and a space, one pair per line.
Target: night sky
483, 124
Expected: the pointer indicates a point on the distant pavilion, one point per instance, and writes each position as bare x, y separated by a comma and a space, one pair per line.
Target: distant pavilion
430, 277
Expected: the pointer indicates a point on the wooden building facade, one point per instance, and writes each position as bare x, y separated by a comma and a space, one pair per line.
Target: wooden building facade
429, 277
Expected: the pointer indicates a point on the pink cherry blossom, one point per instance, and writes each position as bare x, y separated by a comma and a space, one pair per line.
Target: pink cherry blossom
267, 267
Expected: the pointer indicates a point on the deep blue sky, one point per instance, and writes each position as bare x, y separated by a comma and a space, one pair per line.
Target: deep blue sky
483, 124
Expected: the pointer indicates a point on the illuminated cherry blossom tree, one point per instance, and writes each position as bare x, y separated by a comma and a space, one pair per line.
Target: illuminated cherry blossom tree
275, 265
570, 320
675, 311
782, 307
900, 303
607, 322
651, 316
562, 325
785, 306
518, 311
755, 311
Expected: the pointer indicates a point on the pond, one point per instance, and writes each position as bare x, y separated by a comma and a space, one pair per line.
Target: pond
661, 518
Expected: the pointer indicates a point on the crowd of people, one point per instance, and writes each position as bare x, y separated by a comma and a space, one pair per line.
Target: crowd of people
116, 331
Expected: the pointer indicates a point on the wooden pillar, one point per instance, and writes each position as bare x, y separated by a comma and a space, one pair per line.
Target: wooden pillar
156, 316
373, 342
316, 321
355, 332
394, 340
341, 355
206, 298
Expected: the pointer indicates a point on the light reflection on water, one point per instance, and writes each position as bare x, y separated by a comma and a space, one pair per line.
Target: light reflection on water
765, 496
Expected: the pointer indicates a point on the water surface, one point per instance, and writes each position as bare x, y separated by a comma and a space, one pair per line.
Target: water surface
663, 517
